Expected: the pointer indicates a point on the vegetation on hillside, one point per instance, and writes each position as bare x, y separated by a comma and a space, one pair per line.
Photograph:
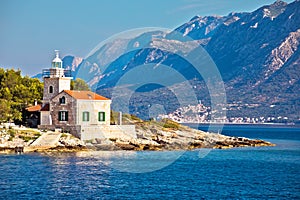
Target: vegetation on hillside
16, 93
129, 119
79, 84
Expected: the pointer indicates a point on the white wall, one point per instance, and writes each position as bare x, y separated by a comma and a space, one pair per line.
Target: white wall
45, 120
64, 84
93, 107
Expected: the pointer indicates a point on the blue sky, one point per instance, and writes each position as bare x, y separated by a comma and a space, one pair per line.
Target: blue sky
32, 29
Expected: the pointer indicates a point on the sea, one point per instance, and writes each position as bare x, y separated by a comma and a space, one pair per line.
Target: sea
239, 173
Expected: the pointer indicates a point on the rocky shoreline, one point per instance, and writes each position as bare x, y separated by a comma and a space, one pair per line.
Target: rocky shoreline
150, 136
22, 140
153, 138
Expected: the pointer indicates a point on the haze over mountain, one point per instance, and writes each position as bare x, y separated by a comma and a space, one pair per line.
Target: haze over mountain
257, 54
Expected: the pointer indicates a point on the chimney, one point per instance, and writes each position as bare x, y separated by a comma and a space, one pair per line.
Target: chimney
120, 118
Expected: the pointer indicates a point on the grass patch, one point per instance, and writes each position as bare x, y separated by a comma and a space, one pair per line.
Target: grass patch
37, 134
170, 124
12, 134
25, 138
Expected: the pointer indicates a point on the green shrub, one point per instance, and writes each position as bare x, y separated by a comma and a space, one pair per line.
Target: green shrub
27, 138
135, 118
37, 134
11, 132
167, 123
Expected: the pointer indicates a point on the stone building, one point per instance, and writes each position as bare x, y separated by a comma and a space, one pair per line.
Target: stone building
84, 114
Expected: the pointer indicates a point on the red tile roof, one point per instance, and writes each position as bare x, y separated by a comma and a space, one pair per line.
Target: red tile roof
34, 108
87, 95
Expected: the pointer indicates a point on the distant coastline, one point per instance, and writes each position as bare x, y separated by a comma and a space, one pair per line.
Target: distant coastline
266, 125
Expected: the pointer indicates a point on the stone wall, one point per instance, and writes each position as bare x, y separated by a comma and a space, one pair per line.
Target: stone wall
58, 84
46, 127
70, 105
112, 131
125, 132
74, 130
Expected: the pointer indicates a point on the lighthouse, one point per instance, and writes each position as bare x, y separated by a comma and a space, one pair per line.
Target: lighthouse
55, 79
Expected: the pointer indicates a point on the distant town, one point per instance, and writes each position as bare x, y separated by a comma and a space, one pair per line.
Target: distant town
202, 114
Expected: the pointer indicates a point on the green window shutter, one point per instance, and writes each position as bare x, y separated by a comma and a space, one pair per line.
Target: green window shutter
85, 116
66, 116
101, 116
59, 116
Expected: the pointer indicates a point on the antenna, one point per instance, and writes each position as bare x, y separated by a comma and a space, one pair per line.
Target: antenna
57, 53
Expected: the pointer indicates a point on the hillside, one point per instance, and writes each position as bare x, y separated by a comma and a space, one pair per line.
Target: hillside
257, 54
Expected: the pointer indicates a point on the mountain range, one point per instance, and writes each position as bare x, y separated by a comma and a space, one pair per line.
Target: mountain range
257, 54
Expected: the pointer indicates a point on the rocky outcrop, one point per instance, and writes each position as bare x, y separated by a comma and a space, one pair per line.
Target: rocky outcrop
150, 136
66, 143
22, 140
283, 52
204, 27
168, 135
71, 62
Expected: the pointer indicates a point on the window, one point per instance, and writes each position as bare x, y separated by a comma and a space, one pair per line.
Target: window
62, 100
85, 116
101, 116
50, 89
63, 116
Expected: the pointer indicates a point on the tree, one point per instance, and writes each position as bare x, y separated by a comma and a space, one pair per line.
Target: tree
79, 84
16, 93
5, 110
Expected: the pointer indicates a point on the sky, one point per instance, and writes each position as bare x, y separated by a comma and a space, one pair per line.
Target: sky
31, 30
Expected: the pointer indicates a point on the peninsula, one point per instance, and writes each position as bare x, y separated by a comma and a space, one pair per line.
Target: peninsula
150, 135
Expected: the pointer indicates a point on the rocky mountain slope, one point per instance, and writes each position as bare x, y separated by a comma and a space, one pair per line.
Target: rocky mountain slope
257, 54
258, 58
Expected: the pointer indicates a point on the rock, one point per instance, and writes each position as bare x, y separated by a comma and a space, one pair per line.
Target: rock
124, 146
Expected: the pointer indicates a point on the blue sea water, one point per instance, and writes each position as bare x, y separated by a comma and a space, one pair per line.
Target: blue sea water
241, 173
